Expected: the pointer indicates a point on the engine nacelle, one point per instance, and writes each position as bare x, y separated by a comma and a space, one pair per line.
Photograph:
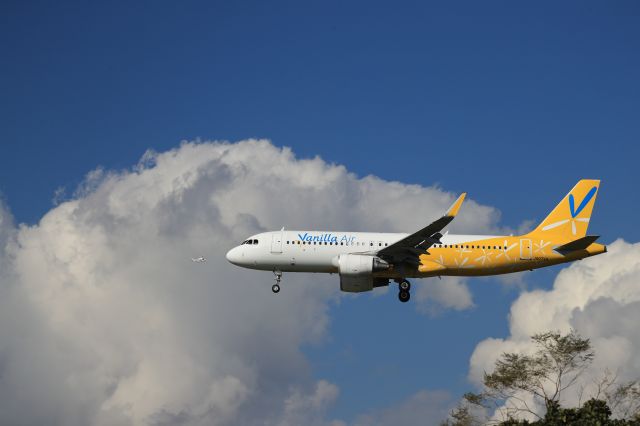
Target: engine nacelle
356, 272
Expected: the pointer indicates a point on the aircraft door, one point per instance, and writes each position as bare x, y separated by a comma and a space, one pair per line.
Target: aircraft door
276, 242
525, 249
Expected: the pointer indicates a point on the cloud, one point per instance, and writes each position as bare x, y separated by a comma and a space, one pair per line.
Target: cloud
104, 319
599, 297
447, 293
298, 406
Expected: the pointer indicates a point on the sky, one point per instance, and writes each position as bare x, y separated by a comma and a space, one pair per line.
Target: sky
179, 129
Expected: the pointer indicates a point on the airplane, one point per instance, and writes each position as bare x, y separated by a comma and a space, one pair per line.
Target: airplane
198, 259
365, 260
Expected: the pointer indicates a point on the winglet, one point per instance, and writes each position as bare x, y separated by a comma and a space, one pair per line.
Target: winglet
453, 210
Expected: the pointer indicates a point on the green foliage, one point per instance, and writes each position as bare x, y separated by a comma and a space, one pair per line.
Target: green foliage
461, 416
594, 412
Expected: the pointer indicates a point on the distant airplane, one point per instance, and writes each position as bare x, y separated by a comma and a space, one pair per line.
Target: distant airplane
198, 259
368, 260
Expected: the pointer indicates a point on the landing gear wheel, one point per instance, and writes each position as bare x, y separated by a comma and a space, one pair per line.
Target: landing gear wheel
404, 296
278, 277
404, 285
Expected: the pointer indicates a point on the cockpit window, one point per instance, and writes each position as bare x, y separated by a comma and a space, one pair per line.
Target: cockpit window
255, 242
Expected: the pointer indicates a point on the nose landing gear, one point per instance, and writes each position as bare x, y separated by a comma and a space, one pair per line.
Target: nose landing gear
405, 287
276, 287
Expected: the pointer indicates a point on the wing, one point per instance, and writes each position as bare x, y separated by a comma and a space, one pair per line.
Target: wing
409, 249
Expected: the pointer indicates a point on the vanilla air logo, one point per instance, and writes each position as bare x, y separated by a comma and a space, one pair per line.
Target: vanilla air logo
326, 238
574, 212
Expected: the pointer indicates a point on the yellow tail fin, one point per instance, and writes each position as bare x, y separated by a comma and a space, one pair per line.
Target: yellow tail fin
570, 218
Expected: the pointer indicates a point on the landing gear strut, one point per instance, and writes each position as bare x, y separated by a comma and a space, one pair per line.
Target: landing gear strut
276, 287
404, 286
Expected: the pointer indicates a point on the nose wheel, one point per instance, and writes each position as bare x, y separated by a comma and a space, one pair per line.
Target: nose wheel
276, 287
404, 288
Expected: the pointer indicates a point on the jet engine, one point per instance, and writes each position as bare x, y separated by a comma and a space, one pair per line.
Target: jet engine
356, 272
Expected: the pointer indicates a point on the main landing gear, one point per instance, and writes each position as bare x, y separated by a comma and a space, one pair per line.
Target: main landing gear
404, 287
276, 287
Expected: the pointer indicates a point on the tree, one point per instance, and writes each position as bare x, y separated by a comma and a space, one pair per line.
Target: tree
523, 383
461, 416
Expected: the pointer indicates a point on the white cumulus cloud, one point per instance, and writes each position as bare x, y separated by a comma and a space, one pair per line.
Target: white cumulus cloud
104, 319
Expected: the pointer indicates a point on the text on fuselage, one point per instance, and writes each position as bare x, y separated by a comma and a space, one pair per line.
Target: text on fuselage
326, 238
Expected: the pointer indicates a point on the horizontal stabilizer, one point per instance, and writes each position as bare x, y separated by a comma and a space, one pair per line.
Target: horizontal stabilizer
579, 244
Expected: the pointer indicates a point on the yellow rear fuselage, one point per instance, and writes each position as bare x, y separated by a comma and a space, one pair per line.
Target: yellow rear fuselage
499, 255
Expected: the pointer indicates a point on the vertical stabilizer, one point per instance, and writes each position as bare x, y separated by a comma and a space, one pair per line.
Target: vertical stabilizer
570, 218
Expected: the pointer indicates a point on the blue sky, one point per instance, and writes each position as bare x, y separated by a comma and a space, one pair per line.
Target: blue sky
511, 102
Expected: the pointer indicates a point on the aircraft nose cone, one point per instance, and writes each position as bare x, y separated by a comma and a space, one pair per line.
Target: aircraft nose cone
234, 255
